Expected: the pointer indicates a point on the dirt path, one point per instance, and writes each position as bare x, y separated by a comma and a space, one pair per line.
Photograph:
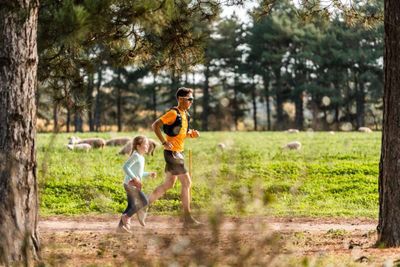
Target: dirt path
168, 223
92, 240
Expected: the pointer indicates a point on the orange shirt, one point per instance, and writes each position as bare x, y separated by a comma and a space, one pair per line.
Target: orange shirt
176, 141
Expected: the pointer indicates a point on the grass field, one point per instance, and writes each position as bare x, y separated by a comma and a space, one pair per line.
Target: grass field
332, 175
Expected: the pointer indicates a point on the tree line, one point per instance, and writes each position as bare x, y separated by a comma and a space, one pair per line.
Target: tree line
275, 72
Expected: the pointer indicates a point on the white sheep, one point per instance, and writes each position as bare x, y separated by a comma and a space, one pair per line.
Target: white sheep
94, 142
292, 131
331, 132
364, 130
73, 140
85, 147
294, 145
118, 141
221, 146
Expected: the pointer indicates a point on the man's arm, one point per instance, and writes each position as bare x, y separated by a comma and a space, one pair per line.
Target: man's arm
156, 128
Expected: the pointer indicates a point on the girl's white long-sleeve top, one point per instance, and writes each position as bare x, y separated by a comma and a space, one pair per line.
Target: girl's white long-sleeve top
134, 168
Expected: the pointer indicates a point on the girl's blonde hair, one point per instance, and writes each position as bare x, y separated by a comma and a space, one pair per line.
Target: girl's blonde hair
137, 141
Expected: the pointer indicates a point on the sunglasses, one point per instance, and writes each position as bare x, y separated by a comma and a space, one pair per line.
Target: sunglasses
190, 99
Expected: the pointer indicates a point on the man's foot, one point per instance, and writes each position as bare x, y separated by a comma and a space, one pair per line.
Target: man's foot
128, 223
189, 221
141, 215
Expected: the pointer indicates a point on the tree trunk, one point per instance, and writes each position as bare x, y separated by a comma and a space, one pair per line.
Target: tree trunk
389, 167
55, 116
154, 98
98, 107
194, 102
337, 119
90, 101
360, 104
235, 102
206, 99
279, 101
174, 87
68, 119
78, 121
299, 116
19, 242
254, 101
119, 102
267, 93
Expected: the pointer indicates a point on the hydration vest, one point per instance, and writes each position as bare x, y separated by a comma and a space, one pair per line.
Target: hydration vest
175, 128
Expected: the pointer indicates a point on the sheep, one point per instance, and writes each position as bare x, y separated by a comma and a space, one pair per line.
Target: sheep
294, 145
73, 140
221, 146
292, 131
94, 142
118, 141
128, 147
85, 147
364, 130
331, 132
152, 146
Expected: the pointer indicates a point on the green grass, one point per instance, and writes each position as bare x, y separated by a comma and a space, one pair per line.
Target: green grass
332, 175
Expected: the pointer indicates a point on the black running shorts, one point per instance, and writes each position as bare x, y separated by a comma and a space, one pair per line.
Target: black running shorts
174, 162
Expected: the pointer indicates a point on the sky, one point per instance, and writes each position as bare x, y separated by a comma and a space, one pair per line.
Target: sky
240, 11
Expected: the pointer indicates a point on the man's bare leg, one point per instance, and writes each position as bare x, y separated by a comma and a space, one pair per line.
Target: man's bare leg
161, 189
186, 199
186, 183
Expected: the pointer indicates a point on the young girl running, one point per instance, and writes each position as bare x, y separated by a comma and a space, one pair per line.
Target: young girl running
134, 172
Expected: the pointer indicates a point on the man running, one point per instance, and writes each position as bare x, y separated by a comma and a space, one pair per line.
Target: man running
175, 123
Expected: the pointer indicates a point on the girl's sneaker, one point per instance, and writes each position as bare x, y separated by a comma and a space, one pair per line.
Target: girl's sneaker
122, 228
126, 221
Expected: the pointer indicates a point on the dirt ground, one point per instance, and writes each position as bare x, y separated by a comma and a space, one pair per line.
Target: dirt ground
229, 241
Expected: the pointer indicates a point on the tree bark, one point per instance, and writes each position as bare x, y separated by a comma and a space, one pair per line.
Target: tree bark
19, 242
389, 167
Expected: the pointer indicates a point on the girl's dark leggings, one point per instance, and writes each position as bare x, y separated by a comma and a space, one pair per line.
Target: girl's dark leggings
136, 200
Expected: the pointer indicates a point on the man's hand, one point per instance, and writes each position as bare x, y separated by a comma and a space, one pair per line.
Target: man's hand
136, 183
167, 145
194, 133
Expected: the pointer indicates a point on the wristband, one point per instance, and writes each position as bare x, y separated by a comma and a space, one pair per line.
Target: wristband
163, 143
